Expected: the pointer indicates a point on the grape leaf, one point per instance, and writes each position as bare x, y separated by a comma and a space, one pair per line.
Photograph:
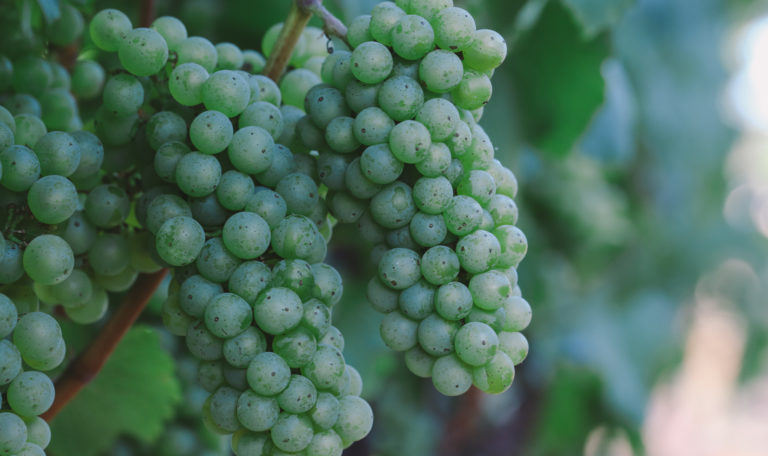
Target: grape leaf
50, 9
594, 16
134, 394
557, 79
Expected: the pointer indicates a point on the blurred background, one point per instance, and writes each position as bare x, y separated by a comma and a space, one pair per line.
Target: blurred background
638, 130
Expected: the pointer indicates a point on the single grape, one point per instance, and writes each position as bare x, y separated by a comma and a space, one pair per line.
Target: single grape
143, 52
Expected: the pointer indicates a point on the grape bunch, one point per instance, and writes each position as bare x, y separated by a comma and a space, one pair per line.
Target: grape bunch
403, 156
250, 292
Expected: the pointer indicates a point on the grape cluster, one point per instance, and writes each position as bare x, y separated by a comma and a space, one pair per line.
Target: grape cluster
403, 156
238, 216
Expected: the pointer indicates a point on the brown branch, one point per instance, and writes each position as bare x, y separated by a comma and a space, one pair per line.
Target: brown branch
294, 24
462, 424
147, 13
332, 26
89, 362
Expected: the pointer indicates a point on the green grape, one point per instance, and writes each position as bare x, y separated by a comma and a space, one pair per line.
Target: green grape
48, 259
478, 185
241, 349
419, 362
143, 52
257, 413
380, 165
506, 182
476, 343
253, 61
91, 154
454, 172
440, 117
382, 298
6, 137
393, 207
485, 51
195, 293
123, 94
514, 245
503, 210
328, 286
30, 394
61, 79
326, 72
92, 310
489, 289
8, 316
165, 126
496, 376
428, 8
216, 262
186, 83
73, 291
278, 310
325, 443
108, 29
296, 347
198, 174
202, 344
299, 192
326, 367
346, 208
265, 115
440, 265
417, 301
359, 30
473, 92
400, 268
59, 110
372, 126
516, 315
87, 79
22, 103
167, 158
268, 374
451, 376
246, 235
427, 230
311, 136
29, 129
436, 335
317, 317
409, 141
109, 254
371, 62
36, 335
326, 410
296, 275
441, 71
20, 166
355, 419
331, 169
221, 408
438, 159
454, 29
13, 433
323, 104
514, 345
334, 338
234, 190
227, 315
229, 57
295, 237
180, 240
299, 396
211, 132
340, 135
11, 268
462, 215
198, 50
38, 432
31, 75
250, 150
210, 375
412, 37
270, 38
291, 433
384, 18
398, 332
295, 84
269, 205
10, 361
107, 206
227, 92
268, 90
171, 29
478, 252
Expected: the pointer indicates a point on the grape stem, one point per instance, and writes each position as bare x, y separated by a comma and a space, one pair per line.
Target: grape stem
147, 13
92, 359
298, 17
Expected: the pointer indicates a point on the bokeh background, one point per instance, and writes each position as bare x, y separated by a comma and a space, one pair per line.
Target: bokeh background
638, 130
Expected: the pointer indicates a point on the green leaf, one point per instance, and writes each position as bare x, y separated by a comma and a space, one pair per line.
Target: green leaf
557, 79
594, 16
134, 394
50, 9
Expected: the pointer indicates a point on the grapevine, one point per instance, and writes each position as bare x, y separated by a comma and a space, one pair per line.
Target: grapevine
231, 168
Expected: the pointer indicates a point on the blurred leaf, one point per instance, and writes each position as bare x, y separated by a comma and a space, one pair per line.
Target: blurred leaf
50, 9
597, 15
134, 394
557, 77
